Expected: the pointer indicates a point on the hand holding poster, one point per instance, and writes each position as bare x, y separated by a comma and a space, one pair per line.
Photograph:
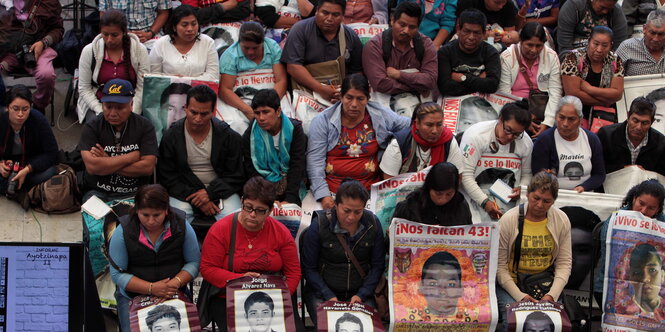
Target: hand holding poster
259, 304
537, 316
421, 256
386, 194
334, 316
634, 275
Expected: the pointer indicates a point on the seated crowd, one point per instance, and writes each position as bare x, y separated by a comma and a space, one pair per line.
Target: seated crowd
193, 166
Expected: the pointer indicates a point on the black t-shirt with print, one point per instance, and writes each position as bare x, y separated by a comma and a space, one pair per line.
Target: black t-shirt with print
138, 134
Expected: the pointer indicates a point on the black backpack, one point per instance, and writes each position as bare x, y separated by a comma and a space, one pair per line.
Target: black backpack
387, 45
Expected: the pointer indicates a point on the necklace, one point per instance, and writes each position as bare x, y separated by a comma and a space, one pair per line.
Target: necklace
250, 246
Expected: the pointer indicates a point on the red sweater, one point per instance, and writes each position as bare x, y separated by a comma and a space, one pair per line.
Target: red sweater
273, 250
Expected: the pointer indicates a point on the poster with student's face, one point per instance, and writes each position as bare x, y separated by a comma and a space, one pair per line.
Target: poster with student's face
537, 317
461, 112
260, 304
336, 316
151, 314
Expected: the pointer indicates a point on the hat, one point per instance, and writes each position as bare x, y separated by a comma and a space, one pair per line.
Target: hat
117, 91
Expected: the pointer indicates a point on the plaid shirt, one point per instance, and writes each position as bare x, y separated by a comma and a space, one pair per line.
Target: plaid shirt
637, 60
635, 150
141, 14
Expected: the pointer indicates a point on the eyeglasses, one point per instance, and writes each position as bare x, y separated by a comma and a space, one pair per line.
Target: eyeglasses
17, 109
249, 209
510, 132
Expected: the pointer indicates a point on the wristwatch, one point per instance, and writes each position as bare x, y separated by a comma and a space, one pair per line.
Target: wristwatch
463, 78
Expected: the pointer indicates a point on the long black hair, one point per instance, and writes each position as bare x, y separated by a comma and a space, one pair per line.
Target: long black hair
648, 187
442, 176
114, 17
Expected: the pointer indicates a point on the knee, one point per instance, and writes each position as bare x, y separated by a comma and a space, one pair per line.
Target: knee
45, 73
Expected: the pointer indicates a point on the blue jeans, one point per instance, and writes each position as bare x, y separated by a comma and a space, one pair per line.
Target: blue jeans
503, 299
230, 205
123, 311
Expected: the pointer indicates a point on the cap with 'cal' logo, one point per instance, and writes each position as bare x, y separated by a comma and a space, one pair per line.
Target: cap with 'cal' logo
117, 91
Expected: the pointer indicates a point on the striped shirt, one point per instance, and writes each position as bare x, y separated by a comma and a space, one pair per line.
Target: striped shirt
635, 150
637, 60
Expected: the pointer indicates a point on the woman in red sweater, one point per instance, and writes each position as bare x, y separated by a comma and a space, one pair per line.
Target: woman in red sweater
263, 246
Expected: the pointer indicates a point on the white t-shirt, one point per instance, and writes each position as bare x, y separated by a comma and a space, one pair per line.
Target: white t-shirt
574, 160
478, 157
391, 162
201, 62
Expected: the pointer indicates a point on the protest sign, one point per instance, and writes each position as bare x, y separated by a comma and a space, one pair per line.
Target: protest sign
306, 107
650, 86
402, 103
459, 113
386, 194
151, 313
164, 99
290, 215
422, 255
366, 31
333, 316
223, 34
288, 9
537, 316
619, 182
634, 276
249, 302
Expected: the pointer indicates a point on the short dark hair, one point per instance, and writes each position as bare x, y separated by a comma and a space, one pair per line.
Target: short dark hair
260, 189
603, 30
176, 15
442, 176
473, 16
581, 218
259, 297
174, 89
353, 189
19, 91
251, 32
356, 81
642, 106
334, 2
539, 316
347, 317
517, 111
649, 187
266, 98
442, 258
162, 311
202, 94
533, 29
410, 9
640, 256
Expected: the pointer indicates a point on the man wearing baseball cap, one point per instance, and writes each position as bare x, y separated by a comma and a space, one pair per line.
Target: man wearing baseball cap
119, 148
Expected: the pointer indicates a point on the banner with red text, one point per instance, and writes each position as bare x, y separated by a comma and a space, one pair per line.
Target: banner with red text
306, 107
386, 194
333, 316
366, 31
633, 296
459, 113
259, 304
442, 278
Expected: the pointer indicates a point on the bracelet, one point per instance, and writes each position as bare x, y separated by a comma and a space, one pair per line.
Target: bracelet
152, 33
46, 42
150, 289
180, 280
482, 205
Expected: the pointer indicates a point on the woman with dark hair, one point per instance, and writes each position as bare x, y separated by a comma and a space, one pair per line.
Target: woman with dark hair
594, 73
184, 51
537, 218
529, 66
441, 285
438, 201
646, 278
427, 142
646, 198
325, 261
252, 51
500, 144
28, 145
153, 252
114, 53
347, 139
263, 245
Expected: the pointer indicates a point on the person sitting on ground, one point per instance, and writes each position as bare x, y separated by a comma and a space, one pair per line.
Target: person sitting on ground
346, 140
467, 64
118, 148
201, 160
213, 12
114, 53
252, 51
634, 142
578, 18
184, 51
594, 74
426, 142
366, 11
573, 154
438, 201
411, 64
644, 56
312, 51
437, 20
27, 144
153, 251
282, 14
545, 12
533, 58
501, 14
146, 17
274, 147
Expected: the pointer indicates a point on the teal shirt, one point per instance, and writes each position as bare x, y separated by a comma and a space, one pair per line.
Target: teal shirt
233, 61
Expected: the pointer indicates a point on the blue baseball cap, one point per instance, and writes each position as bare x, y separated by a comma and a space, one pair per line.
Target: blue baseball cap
117, 91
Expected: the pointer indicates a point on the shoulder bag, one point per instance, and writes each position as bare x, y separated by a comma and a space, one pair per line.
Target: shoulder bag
538, 284
537, 99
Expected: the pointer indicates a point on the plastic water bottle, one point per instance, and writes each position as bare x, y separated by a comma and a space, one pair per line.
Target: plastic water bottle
11, 189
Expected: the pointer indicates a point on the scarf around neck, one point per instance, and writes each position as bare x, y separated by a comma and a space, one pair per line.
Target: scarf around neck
271, 163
